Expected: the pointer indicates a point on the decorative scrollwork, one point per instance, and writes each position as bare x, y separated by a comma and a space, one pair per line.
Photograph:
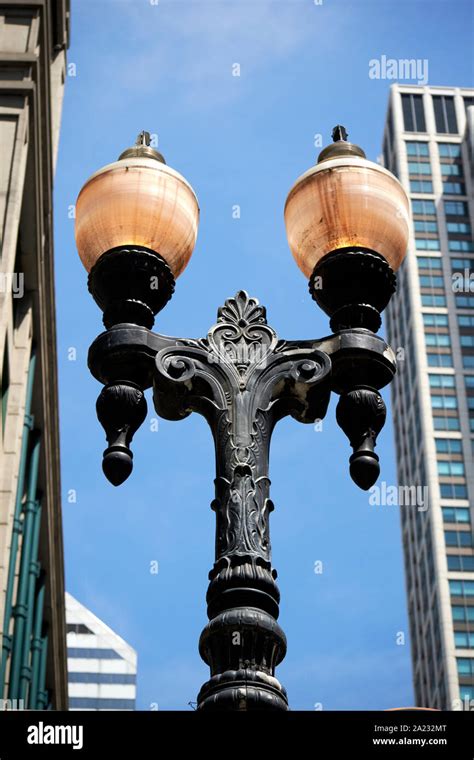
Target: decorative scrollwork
242, 310
305, 370
243, 380
241, 338
179, 368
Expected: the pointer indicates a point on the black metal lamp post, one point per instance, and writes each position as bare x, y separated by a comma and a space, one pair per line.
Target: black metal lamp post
347, 223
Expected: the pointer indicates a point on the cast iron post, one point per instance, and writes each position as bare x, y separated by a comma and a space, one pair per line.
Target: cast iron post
242, 379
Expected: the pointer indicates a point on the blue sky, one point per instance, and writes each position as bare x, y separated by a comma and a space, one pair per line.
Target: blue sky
167, 68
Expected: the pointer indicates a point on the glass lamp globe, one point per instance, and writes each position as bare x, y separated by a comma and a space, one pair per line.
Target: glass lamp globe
346, 201
137, 200
347, 223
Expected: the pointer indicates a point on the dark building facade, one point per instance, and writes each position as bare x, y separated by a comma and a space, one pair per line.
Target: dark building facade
34, 37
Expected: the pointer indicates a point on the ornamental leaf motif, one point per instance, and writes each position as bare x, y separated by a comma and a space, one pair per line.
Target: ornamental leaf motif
242, 308
241, 339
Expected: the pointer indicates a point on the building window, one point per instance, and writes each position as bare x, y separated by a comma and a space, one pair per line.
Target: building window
435, 320
121, 678
468, 361
458, 538
100, 703
424, 206
455, 208
445, 115
441, 340
413, 113
465, 666
465, 320
415, 167
449, 150
459, 228
464, 302
450, 170
453, 469
466, 693
444, 402
431, 281
425, 226
466, 246
462, 562
95, 654
456, 514
429, 300
424, 186
462, 264
467, 341
453, 491
464, 640
441, 381
469, 380
463, 614
390, 126
461, 588
417, 149
440, 360
446, 423
77, 628
450, 188
428, 244
448, 445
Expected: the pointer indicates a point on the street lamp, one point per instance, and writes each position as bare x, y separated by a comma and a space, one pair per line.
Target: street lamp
136, 226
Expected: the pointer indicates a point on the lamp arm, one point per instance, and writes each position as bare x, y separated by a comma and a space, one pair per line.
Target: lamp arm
243, 379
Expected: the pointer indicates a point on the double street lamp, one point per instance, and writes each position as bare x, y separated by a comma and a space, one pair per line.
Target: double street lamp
347, 222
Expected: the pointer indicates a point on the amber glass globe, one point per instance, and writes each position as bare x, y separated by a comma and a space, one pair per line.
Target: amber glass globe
137, 201
343, 202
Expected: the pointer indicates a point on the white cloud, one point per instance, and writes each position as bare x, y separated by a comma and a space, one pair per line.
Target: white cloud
187, 48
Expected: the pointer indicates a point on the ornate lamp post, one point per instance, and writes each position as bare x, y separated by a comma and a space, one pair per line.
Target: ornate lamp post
136, 226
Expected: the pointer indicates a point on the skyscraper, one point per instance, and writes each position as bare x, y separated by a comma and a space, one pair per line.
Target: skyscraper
428, 144
102, 667
34, 37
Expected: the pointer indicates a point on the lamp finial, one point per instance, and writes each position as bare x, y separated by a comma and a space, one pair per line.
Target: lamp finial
144, 138
340, 147
142, 149
339, 133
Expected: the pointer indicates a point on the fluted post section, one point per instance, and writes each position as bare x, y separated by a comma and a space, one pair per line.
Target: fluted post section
242, 643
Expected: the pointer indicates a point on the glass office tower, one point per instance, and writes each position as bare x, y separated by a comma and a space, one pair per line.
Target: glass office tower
428, 143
